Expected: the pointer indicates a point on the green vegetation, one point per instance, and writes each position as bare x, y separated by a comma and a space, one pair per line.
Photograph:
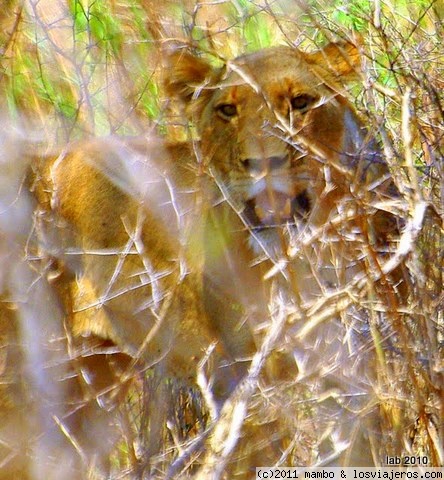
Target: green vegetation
80, 68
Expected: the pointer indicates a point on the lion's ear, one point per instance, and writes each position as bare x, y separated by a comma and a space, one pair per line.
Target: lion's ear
340, 59
185, 73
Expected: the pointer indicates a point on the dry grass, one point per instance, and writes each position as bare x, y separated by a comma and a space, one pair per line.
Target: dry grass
362, 361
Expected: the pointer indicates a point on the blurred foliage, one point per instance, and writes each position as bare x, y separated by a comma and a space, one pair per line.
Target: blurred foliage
79, 68
92, 66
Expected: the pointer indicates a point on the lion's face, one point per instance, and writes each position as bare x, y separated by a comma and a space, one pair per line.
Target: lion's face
248, 129
277, 132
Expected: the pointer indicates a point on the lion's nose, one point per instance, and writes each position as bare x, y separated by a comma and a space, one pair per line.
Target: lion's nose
265, 165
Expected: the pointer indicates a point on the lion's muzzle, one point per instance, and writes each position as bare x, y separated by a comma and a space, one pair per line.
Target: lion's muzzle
273, 208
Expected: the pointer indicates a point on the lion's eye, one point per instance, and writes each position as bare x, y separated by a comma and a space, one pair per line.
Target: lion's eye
302, 102
226, 110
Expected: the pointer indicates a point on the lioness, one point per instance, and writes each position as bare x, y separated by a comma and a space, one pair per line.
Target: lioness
151, 245
282, 142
